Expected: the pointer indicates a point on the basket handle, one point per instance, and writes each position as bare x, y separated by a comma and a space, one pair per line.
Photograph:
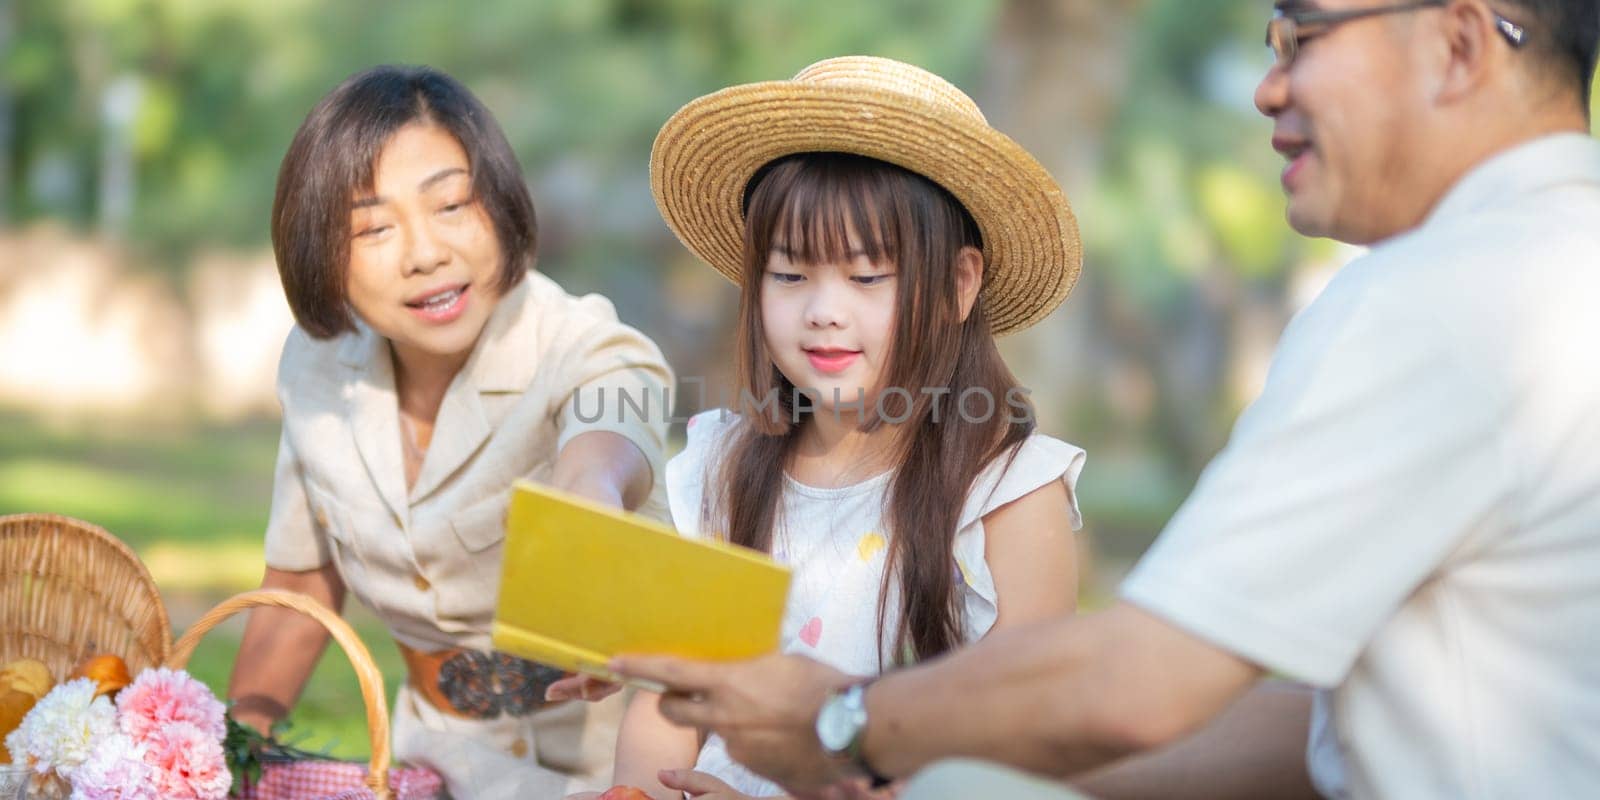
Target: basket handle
367, 673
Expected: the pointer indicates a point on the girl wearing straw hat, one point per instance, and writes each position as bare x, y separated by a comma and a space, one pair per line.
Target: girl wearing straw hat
882, 235
430, 366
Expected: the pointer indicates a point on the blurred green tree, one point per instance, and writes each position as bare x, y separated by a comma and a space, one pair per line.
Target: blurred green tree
579, 87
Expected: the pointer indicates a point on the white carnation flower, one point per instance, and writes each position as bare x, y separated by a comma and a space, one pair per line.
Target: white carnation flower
63, 729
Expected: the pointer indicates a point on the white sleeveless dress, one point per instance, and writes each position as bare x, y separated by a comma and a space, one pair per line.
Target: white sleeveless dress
835, 541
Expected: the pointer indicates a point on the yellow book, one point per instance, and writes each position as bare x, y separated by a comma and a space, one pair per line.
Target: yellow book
581, 582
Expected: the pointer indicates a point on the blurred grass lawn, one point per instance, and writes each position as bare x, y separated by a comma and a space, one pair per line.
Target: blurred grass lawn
192, 502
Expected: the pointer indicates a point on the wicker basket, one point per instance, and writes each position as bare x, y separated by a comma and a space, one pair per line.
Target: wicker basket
69, 590
321, 779
367, 673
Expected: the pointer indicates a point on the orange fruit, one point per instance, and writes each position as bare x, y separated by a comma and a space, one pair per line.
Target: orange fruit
27, 675
14, 705
624, 793
109, 672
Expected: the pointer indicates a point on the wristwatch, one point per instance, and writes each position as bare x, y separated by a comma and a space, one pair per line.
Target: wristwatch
842, 726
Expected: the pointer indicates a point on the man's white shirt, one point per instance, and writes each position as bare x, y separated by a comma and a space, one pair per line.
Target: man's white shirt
1409, 514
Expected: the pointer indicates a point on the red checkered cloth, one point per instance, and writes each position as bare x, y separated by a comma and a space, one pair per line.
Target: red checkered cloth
340, 780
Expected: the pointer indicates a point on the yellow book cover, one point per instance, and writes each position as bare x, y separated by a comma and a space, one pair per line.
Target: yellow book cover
582, 582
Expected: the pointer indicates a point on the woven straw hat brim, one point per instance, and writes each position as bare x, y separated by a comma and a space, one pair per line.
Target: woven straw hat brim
707, 152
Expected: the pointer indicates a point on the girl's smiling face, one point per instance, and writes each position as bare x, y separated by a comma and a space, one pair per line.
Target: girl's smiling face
424, 258
858, 282
828, 324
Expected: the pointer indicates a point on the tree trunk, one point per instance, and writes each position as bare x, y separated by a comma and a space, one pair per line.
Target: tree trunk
1052, 81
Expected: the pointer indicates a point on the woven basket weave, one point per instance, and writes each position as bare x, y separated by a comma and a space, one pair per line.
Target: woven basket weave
69, 590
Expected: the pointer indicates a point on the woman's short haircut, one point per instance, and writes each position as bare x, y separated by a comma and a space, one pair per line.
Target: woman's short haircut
332, 157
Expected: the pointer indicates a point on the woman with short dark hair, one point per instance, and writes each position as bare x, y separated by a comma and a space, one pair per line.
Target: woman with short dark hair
429, 368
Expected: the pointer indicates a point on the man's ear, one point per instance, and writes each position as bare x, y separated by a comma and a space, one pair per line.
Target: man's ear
1470, 41
969, 278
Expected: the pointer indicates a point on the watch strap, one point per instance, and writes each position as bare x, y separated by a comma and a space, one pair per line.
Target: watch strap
856, 749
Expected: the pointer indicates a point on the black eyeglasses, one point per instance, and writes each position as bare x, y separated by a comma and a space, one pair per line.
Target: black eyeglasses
1287, 29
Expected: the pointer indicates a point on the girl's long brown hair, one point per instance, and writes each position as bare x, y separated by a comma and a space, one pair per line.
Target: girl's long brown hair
809, 203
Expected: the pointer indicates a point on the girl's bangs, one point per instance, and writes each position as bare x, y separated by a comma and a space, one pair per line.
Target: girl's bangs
809, 208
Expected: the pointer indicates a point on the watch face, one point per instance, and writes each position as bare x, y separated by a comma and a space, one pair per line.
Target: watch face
836, 726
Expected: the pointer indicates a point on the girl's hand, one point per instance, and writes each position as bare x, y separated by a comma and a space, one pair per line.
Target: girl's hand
580, 687
699, 785
702, 786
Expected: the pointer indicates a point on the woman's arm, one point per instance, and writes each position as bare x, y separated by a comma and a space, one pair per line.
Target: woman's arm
1032, 554
604, 466
281, 647
648, 743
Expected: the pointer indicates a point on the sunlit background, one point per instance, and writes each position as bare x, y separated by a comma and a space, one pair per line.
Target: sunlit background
141, 317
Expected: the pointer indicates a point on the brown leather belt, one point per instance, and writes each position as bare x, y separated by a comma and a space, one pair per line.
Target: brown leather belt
473, 684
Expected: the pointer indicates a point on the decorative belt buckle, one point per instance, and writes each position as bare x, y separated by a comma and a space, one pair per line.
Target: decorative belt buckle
484, 685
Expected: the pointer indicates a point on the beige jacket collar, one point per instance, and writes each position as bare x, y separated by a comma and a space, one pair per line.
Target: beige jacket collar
499, 362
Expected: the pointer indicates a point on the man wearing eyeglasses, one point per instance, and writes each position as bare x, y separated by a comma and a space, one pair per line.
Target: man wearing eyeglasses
1407, 518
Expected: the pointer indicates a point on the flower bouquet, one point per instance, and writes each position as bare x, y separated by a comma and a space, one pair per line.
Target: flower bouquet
161, 736
160, 739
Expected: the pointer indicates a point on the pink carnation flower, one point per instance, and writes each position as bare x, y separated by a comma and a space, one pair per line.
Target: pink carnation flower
188, 762
116, 771
160, 697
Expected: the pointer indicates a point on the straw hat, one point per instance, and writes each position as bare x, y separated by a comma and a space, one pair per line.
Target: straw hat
707, 152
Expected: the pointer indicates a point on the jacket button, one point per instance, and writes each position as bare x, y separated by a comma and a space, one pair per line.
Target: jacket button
421, 583
519, 748
322, 518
